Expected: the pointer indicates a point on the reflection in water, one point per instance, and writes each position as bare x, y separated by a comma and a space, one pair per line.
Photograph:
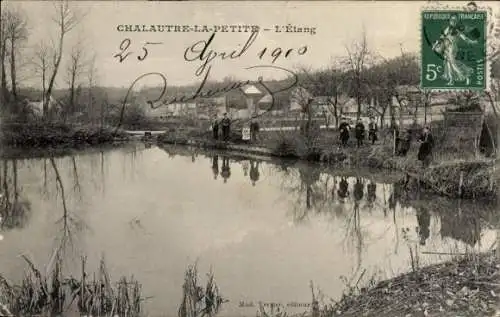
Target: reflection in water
297, 211
215, 166
424, 223
254, 171
371, 190
358, 190
343, 191
462, 226
15, 209
226, 169
245, 167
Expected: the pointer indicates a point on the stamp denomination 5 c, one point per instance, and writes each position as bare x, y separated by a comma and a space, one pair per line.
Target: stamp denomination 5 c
453, 50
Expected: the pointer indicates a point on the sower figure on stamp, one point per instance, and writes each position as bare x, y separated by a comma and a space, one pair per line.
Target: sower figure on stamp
372, 130
454, 68
344, 132
226, 127
426, 144
360, 132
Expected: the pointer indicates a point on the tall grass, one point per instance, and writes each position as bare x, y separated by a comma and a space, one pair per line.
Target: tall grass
196, 301
52, 293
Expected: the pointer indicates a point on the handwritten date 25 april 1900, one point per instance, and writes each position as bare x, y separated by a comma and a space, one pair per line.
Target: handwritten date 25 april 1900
202, 51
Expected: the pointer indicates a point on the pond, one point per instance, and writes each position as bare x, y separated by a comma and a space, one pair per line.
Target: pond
265, 228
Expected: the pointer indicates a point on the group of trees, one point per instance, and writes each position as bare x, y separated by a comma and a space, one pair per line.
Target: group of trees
362, 76
44, 63
369, 79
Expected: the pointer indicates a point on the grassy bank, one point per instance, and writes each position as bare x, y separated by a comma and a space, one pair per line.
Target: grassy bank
465, 286
44, 135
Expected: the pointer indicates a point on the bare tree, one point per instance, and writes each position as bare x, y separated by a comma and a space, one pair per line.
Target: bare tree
356, 62
16, 32
92, 79
305, 99
66, 19
41, 62
3, 54
75, 70
327, 82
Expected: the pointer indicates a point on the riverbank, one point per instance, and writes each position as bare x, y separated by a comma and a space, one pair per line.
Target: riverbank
469, 179
465, 286
41, 135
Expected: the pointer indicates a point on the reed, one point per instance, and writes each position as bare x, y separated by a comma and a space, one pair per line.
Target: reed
196, 300
54, 294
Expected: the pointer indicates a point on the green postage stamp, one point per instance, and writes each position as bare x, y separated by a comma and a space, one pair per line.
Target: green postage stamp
454, 50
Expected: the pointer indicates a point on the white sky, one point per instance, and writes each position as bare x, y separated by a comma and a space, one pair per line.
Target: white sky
388, 26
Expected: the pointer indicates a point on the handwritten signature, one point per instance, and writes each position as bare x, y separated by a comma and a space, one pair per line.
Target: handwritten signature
160, 100
202, 51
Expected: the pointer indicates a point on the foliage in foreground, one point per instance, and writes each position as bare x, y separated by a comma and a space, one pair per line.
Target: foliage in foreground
196, 301
49, 294
462, 287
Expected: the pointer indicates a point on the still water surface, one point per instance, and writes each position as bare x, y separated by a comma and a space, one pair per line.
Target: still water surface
266, 229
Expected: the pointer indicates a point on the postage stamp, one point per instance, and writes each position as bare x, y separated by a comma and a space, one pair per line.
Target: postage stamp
454, 50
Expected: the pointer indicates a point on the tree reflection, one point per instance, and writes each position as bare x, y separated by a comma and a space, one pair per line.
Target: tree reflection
461, 226
308, 177
76, 179
15, 210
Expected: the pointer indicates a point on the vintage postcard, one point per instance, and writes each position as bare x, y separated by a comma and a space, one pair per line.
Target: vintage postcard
253, 158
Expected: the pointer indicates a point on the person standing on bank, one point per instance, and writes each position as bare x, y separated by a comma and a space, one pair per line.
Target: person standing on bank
226, 127
372, 130
215, 128
426, 144
344, 132
360, 132
254, 130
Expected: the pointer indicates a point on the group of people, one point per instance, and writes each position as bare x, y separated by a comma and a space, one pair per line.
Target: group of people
225, 170
425, 139
224, 125
359, 132
403, 143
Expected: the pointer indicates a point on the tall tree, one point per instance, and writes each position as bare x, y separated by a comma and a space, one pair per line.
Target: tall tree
357, 61
17, 32
76, 68
41, 62
4, 93
92, 80
327, 82
66, 20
